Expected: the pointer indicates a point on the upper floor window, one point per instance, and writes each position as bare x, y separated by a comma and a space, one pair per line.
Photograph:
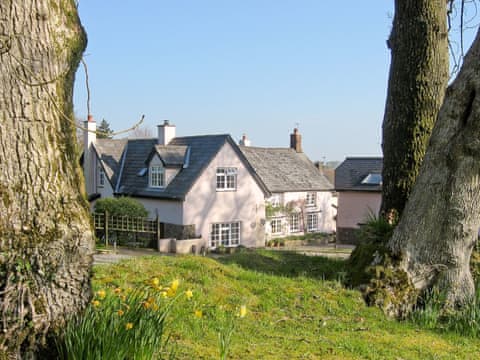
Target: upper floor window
311, 199
226, 178
157, 176
275, 200
101, 177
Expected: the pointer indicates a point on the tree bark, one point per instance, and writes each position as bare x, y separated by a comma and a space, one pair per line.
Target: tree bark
416, 86
46, 241
439, 227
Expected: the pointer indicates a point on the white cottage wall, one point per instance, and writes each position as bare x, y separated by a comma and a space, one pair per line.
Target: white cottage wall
204, 205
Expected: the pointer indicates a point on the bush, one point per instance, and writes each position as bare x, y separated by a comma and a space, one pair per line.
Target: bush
122, 206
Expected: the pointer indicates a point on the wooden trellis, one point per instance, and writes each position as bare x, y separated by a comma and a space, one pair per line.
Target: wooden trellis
106, 222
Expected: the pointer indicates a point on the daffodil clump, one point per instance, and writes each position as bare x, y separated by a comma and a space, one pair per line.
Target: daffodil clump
123, 323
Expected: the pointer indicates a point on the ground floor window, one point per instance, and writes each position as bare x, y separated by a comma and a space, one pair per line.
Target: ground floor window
312, 222
226, 234
295, 222
276, 225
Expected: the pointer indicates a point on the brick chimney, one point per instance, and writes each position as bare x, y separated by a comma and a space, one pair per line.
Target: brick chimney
89, 163
166, 133
296, 141
244, 141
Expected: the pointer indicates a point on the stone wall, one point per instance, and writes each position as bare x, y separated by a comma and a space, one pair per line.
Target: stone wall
348, 236
178, 232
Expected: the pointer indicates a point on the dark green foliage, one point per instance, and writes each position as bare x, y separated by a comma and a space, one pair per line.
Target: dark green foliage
431, 314
104, 131
122, 206
373, 238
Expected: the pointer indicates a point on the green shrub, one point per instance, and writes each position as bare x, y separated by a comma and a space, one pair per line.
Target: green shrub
122, 206
373, 235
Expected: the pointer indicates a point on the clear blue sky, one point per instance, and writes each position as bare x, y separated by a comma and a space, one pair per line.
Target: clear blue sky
248, 66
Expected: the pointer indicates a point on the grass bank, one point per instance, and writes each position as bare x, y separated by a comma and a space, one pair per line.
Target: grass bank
296, 309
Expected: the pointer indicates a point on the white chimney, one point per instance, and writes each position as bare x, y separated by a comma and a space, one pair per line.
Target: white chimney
89, 163
244, 141
166, 133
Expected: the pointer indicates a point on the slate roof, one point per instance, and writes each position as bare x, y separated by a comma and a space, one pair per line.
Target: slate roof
350, 173
110, 151
284, 170
172, 155
199, 150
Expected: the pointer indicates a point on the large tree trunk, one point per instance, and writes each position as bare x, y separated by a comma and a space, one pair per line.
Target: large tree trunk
46, 242
439, 227
416, 86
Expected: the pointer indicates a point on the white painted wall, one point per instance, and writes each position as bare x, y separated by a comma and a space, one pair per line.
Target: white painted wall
205, 205
355, 206
168, 211
324, 202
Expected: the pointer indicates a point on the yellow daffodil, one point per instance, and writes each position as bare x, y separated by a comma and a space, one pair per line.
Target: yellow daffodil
128, 326
123, 297
117, 290
155, 281
120, 312
198, 314
151, 300
101, 294
174, 285
243, 311
171, 292
154, 307
189, 294
95, 303
146, 305
164, 294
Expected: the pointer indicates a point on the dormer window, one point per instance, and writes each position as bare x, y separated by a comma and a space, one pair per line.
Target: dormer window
157, 176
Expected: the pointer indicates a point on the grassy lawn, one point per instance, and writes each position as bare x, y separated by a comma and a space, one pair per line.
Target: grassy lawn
297, 309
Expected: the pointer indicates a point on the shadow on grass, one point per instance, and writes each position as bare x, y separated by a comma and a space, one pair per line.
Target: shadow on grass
288, 263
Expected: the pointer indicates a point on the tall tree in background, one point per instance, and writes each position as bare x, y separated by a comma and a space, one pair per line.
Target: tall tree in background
433, 242
416, 87
104, 131
46, 242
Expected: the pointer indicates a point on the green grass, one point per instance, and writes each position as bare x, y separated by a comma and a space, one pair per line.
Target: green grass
297, 309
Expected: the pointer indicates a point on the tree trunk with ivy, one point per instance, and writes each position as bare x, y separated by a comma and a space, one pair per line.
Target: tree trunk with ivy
433, 243
416, 86
46, 240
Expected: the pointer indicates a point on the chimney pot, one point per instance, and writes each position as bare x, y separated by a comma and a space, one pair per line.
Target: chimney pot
166, 132
296, 141
244, 141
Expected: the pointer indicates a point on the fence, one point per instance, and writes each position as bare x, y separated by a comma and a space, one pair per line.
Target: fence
107, 223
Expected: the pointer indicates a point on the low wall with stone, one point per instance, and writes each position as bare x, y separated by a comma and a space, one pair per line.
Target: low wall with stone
186, 246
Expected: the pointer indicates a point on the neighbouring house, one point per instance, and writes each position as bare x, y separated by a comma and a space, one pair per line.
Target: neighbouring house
302, 199
358, 182
202, 186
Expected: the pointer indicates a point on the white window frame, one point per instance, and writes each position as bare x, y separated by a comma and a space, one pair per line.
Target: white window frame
156, 176
276, 226
226, 234
312, 222
226, 179
275, 200
101, 177
294, 222
311, 199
